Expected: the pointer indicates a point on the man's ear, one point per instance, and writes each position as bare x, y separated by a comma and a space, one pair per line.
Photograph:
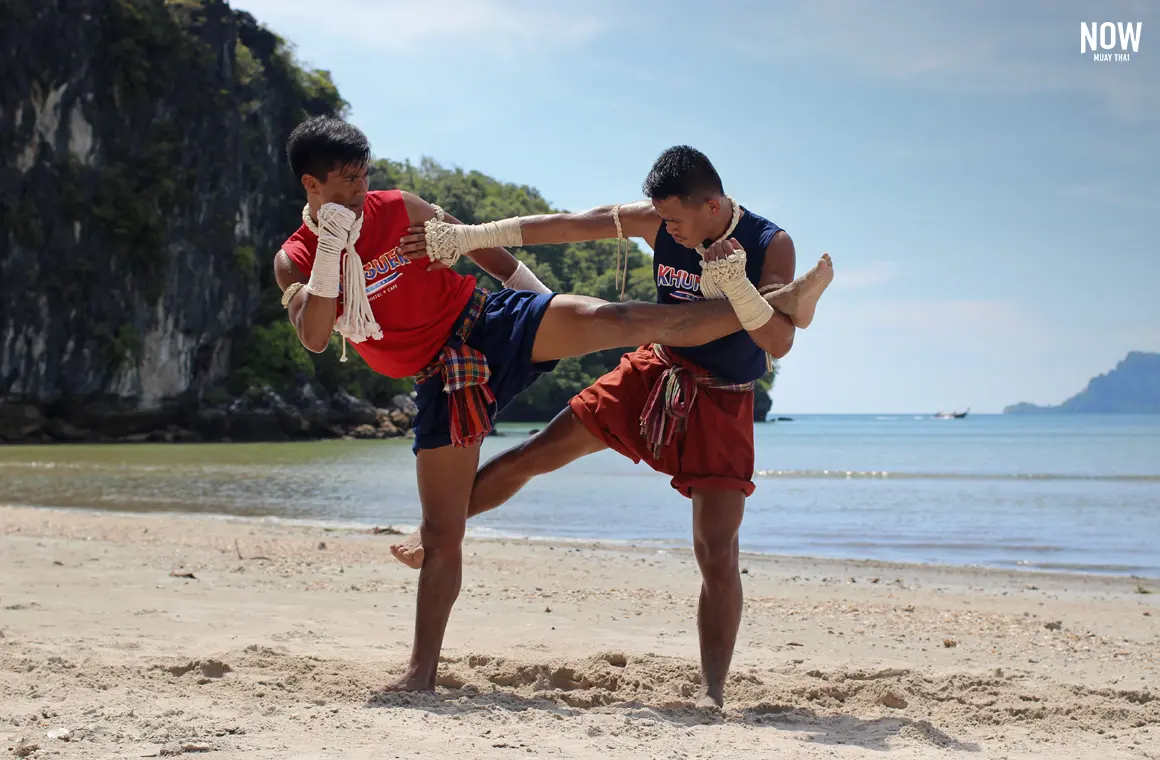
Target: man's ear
714, 205
311, 184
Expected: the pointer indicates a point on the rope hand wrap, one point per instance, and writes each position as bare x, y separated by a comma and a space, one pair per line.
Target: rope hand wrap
726, 279
333, 230
728, 275
338, 230
447, 242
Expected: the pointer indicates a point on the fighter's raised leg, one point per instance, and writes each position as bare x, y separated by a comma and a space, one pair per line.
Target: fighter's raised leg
578, 325
564, 440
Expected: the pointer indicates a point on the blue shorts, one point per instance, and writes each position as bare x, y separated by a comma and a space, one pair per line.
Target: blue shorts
504, 333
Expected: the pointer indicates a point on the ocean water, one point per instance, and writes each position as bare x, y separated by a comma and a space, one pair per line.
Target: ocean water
1076, 493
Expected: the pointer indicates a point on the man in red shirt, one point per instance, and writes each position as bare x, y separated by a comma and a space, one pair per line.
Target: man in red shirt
470, 351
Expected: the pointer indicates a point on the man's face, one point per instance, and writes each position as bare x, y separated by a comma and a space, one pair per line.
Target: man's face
689, 222
346, 186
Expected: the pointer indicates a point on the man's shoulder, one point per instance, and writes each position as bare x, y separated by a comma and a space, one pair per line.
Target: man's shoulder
383, 199
300, 249
761, 223
301, 238
386, 207
762, 229
385, 195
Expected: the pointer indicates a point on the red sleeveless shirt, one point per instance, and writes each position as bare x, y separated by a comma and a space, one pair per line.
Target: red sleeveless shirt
416, 309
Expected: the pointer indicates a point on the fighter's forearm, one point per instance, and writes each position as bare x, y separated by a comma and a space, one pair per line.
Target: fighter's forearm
775, 337
495, 261
757, 313
579, 227
313, 317
446, 242
312, 302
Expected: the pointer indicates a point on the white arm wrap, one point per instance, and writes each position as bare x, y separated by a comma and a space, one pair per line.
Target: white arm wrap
324, 275
447, 242
709, 287
334, 223
728, 275
525, 279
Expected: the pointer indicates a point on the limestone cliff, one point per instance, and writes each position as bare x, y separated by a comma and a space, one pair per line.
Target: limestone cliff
142, 191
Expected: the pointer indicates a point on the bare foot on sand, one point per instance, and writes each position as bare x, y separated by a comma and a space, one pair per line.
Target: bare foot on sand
799, 299
709, 702
408, 683
410, 552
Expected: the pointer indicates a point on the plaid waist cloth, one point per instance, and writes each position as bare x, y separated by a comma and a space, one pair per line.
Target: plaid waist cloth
465, 375
667, 410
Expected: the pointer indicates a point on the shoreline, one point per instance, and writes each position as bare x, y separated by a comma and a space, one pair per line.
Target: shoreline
477, 534
142, 634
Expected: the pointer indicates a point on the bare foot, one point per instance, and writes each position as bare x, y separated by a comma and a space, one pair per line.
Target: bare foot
408, 683
799, 299
410, 552
705, 700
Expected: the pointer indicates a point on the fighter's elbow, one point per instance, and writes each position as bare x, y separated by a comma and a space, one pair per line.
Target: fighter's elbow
313, 321
315, 345
314, 341
781, 348
777, 342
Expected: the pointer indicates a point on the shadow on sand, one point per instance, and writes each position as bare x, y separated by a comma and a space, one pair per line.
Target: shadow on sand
846, 730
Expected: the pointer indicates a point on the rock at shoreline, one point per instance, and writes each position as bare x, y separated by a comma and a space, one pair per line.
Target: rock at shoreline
61, 430
260, 414
19, 420
350, 411
405, 404
384, 418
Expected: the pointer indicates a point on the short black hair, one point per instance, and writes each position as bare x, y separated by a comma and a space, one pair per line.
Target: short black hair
321, 144
682, 172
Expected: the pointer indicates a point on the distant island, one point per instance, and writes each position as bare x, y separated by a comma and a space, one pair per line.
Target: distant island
1132, 387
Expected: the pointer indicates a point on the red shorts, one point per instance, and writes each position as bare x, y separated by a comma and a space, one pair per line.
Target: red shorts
716, 448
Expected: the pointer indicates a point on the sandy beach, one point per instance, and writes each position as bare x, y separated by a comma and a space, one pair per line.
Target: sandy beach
152, 636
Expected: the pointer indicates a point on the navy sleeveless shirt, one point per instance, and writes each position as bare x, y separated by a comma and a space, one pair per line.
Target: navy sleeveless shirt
677, 271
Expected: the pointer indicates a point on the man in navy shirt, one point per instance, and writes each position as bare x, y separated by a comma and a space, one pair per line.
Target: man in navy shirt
687, 412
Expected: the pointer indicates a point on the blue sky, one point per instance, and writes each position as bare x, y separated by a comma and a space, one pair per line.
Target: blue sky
989, 194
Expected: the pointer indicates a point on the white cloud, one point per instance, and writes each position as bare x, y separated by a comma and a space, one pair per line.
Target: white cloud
429, 30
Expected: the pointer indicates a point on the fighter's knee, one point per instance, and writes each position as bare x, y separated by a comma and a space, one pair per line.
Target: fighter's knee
443, 534
717, 557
